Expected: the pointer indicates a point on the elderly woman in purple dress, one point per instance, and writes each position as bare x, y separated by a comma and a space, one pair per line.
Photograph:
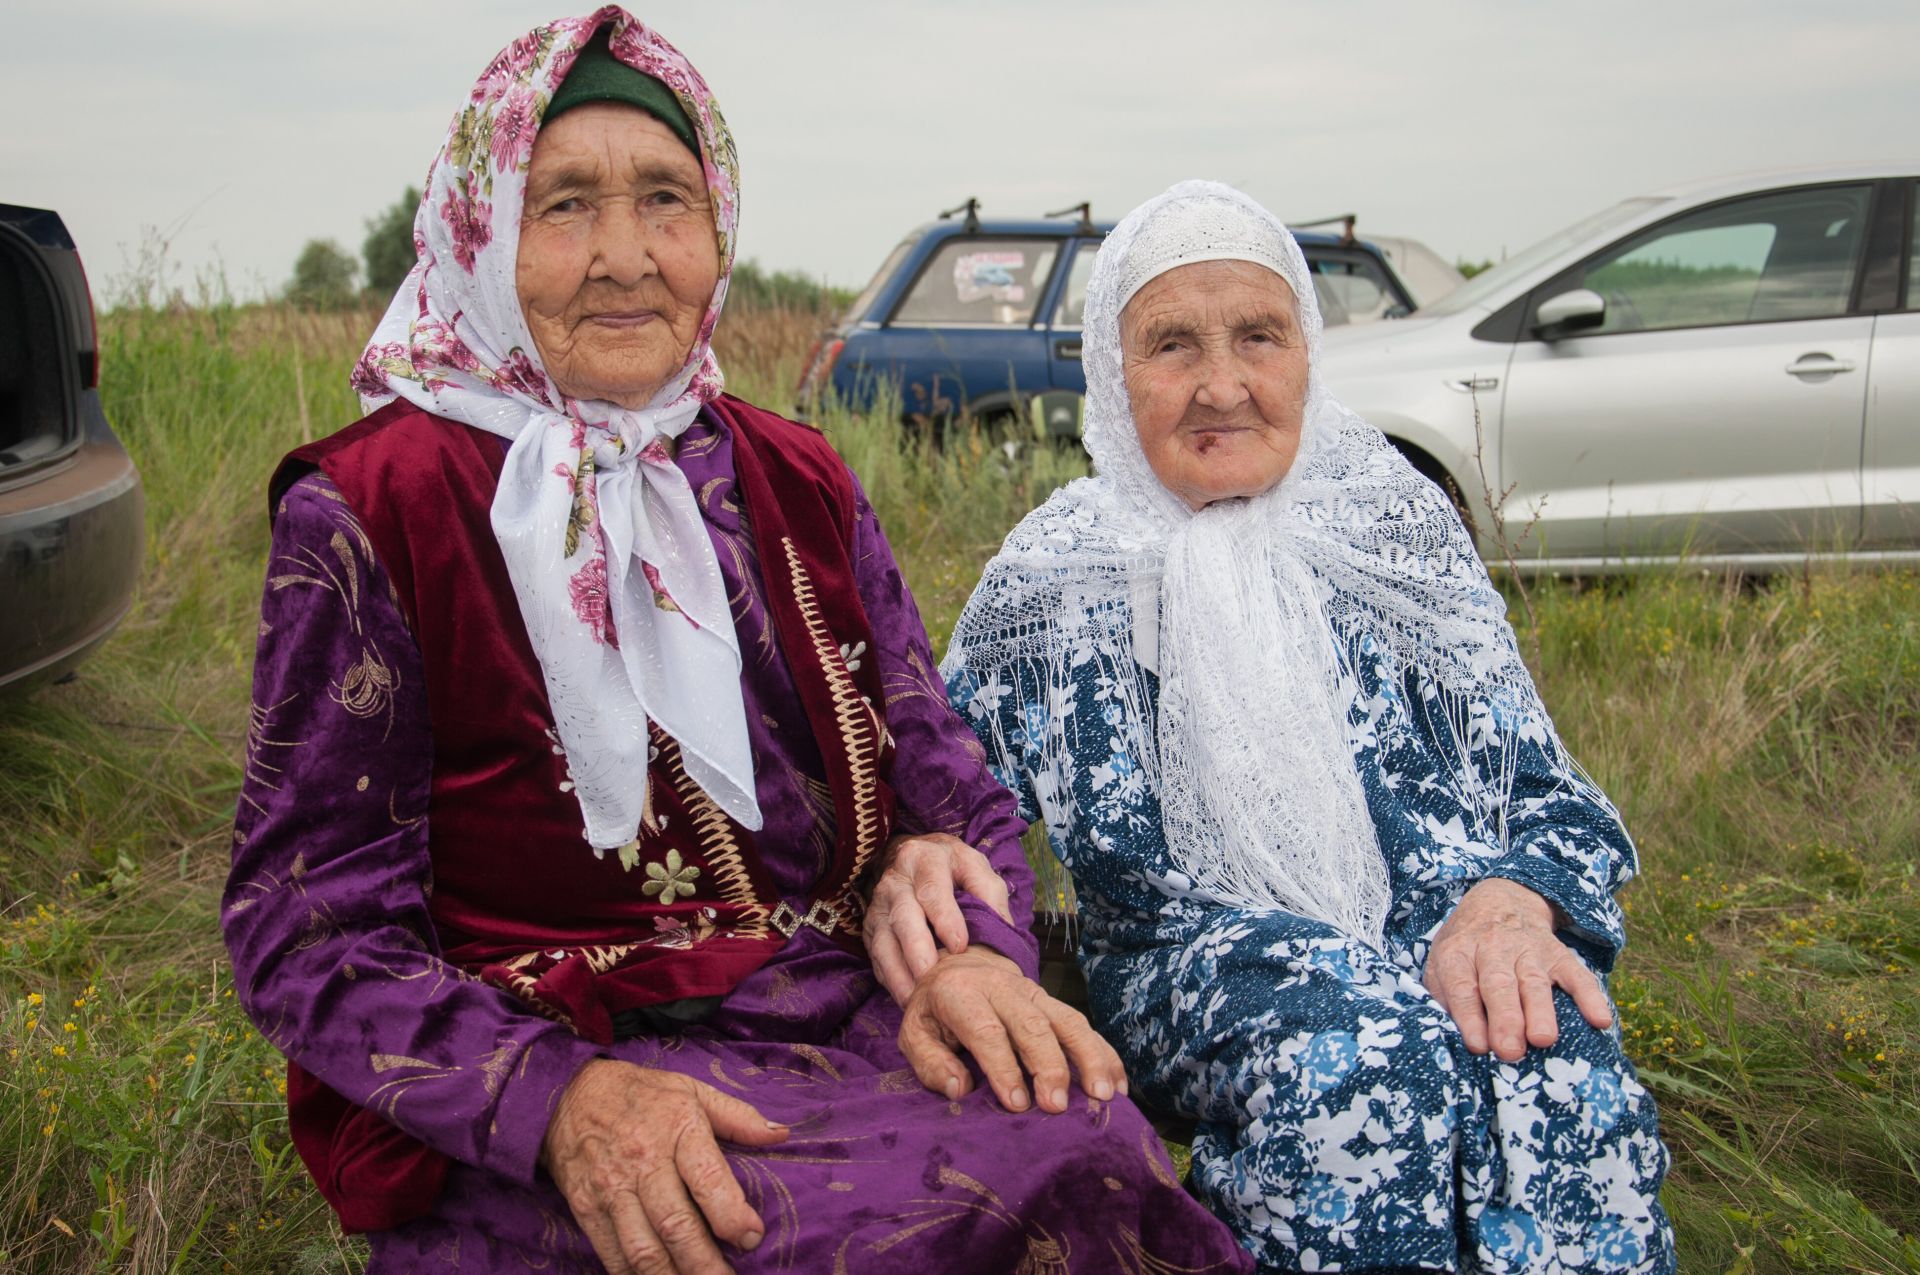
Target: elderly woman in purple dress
589, 705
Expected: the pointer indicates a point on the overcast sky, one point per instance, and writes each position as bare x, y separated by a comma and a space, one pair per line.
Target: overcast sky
239, 130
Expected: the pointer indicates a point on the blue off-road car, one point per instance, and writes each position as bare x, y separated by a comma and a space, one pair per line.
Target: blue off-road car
973, 318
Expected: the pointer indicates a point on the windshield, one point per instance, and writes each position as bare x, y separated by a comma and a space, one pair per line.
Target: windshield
863, 302
1488, 282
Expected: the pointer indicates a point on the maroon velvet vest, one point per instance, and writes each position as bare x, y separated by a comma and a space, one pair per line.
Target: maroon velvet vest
518, 897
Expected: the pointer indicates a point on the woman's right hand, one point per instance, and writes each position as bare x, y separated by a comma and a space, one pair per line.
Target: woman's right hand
634, 1152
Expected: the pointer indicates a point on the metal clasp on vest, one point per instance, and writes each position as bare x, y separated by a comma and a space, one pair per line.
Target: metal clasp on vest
823, 916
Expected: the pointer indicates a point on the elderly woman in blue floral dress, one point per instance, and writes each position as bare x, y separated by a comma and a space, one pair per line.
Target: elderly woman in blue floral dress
1345, 900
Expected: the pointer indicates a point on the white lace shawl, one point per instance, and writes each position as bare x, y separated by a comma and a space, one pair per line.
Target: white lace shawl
1266, 607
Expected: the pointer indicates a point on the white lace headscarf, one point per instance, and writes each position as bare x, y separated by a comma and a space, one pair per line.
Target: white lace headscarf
617, 581
1254, 613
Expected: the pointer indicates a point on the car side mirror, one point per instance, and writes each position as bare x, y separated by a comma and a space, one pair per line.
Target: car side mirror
1570, 312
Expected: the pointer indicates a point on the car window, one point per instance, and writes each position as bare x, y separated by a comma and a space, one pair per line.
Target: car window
1072, 310
864, 302
990, 282
1913, 253
1787, 255
1350, 289
1479, 289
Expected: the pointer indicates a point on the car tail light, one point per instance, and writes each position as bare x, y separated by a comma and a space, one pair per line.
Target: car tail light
90, 366
820, 361
806, 368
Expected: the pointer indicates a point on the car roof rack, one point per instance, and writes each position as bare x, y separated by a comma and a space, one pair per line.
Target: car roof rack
1344, 221
971, 208
1085, 210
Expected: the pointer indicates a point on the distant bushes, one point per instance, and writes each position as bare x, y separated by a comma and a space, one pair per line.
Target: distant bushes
758, 288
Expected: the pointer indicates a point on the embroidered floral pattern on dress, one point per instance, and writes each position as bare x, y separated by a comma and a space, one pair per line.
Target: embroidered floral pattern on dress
670, 879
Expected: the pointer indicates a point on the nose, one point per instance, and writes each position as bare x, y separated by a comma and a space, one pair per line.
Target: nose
1223, 382
622, 245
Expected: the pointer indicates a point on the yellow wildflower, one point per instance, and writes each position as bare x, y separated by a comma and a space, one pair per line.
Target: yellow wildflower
59, 1051
35, 998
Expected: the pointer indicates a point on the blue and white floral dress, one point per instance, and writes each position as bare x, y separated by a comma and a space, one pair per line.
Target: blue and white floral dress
1342, 1124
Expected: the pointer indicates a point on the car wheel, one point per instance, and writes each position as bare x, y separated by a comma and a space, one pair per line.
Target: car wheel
1433, 470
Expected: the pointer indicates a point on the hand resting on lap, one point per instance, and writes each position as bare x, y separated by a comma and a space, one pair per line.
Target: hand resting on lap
634, 1152
979, 1001
973, 998
1494, 965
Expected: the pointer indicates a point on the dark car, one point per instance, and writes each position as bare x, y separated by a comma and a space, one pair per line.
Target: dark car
72, 514
977, 318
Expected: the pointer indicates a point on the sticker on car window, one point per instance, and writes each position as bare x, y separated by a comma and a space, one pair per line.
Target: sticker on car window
989, 276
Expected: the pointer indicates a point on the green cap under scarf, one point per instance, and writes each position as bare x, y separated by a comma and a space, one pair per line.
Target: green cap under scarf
598, 76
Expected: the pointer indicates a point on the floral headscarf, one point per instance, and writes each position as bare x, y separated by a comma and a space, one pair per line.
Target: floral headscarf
617, 581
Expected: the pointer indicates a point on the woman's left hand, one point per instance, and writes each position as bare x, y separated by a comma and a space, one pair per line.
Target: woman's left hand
979, 1001
1494, 965
914, 911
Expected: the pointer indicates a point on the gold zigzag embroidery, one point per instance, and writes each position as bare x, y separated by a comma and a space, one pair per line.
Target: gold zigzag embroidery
717, 842
859, 726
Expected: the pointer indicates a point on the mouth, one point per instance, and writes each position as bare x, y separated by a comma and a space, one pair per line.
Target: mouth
624, 318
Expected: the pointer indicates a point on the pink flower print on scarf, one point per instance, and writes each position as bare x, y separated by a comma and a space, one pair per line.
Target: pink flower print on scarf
514, 126
661, 598
521, 375
589, 589
514, 64
442, 344
471, 221
381, 360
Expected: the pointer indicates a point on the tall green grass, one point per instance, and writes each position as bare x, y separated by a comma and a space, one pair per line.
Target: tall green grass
1761, 739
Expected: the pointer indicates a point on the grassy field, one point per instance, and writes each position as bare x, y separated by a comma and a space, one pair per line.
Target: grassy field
1763, 741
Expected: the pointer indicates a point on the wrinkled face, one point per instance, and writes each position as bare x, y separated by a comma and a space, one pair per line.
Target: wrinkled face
618, 256
1216, 371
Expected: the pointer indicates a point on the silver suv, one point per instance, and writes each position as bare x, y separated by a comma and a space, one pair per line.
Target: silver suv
1729, 371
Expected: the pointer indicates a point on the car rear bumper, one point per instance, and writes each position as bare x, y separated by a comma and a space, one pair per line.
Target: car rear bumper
71, 543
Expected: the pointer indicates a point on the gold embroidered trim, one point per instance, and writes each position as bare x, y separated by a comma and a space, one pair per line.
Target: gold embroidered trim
718, 844
525, 988
858, 720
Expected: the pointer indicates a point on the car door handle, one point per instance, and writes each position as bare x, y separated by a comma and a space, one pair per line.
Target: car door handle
1818, 365
1066, 349
1474, 384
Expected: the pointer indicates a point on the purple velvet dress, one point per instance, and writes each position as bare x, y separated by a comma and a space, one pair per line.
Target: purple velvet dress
335, 955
